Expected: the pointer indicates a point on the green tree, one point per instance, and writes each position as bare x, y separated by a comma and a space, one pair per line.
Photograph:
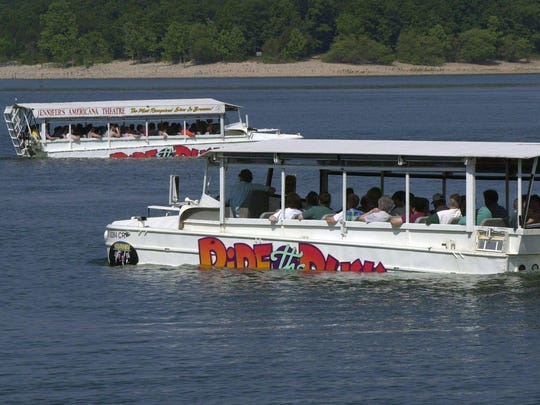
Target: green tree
514, 49
422, 49
319, 23
232, 45
477, 46
296, 46
139, 43
58, 40
175, 43
203, 43
93, 49
358, 51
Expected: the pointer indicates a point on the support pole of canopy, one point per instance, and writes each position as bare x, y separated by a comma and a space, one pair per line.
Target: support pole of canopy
470, 193
407, 197
344, 203
222, 198
529, 190
520, 194
282, 194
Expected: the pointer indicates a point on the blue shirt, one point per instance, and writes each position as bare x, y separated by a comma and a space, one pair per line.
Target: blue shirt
238, 193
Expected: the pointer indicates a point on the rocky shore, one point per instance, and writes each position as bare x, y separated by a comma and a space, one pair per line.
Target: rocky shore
310, 68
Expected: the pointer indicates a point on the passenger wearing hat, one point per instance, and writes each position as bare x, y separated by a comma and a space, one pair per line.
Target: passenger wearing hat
238, 193
438, 202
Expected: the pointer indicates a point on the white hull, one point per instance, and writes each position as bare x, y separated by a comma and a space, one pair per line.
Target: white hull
363, 248
145, 147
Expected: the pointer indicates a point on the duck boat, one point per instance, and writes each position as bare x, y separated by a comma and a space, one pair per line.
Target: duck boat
129, 128
203, 233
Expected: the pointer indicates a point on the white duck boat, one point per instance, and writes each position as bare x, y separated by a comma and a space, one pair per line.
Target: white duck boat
129, 128
202, 232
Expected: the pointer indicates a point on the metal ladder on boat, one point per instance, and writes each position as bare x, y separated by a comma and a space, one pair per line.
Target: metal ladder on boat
17, 128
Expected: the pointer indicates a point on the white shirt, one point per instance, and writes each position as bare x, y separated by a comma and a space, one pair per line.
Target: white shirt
289, 213
446, 216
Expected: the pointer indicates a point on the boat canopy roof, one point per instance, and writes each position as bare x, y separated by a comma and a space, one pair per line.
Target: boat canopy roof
127, 108
490, 156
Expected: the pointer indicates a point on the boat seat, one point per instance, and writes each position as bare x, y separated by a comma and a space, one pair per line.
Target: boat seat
199, 213
421, 220
493, 222
256, 203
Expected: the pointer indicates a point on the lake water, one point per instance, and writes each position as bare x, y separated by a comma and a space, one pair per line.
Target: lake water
75, 330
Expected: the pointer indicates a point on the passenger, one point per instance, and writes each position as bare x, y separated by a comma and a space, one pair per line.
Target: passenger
238, 193
163, 130
141, 129
34, 132
292, 208
439, 203
187, 131
533, 216
113, 131
314, 210
491, 200
94, 133
399, 203
481, 214
325, 199
352, 211
370, 200
419, 208
174, 129
74, 134
449, 215
57, 134
152, 131
381, 213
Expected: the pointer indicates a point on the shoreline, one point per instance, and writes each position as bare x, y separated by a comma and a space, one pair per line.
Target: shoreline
252, 69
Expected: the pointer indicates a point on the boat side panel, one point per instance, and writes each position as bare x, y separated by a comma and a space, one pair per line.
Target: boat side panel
312, 246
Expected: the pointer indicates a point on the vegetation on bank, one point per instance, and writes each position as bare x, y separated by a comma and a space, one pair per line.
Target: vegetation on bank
422, 32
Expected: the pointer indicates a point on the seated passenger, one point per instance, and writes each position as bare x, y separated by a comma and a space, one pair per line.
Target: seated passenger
399, 203
113, 131
186, 132
481, 214
491, 200
152, 131
292, 208
325, 199
448, 215
163, 130
419, 208
237, 194
370, 200
57, 134
94, 133
381, 213
352, 212
533, 216
439, 203
313, 209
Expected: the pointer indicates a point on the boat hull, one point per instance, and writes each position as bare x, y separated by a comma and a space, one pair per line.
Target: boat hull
146, 147
314, 247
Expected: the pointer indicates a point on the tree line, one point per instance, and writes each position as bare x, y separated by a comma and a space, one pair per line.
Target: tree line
423, 32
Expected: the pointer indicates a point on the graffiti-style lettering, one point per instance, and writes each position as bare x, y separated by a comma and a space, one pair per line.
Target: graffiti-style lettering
171, 151
263, 256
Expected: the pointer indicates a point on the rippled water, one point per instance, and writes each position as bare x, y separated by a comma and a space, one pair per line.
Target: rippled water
75, 330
